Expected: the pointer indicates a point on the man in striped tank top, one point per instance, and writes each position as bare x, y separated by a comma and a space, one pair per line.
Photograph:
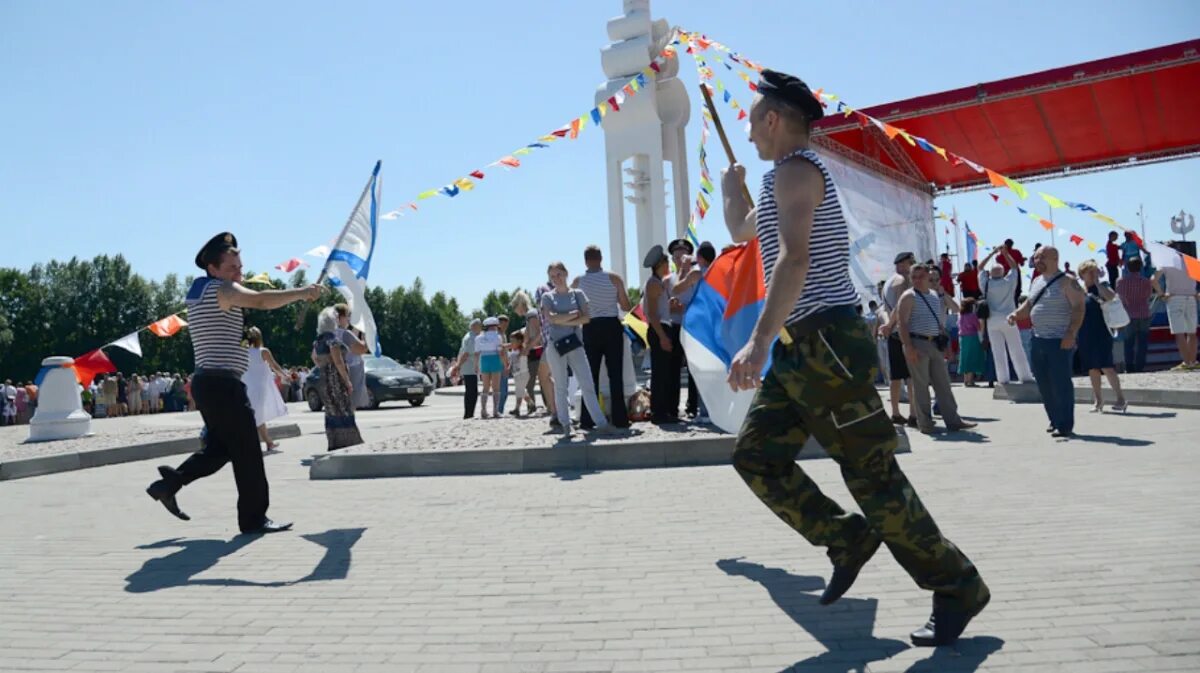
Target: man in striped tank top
820, 382
215, 302
1056, 307
604, 335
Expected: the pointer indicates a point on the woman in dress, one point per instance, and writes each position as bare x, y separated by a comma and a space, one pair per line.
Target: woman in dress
260, 386
135, 395
1095, 339
490, 362
355, 349
329, 353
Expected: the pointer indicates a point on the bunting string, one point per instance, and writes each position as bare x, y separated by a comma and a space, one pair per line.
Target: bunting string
698, 43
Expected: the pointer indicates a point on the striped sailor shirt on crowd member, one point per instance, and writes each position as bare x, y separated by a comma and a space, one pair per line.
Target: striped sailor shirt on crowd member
601, 293
926, 316
828, 281
1051, 314
216, 334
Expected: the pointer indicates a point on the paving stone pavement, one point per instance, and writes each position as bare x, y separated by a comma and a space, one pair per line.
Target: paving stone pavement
1089, 546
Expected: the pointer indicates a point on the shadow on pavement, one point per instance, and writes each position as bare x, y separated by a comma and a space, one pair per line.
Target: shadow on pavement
1112, 439
965, 656
196, 556
844, 629
573, 475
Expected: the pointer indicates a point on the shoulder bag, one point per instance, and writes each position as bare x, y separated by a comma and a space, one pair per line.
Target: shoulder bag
571, 341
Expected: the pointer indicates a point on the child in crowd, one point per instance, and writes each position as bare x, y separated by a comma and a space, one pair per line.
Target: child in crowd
971, 359
519, 366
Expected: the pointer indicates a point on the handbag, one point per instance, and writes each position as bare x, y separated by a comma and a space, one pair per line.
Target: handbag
1115, 315
570, 342
984, 311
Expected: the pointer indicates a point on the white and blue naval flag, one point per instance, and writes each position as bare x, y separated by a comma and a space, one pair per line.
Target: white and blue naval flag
350, 261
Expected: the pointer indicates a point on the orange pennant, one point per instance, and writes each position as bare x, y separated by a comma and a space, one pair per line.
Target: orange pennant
995, 178
891, 131
167, 326
1047, 224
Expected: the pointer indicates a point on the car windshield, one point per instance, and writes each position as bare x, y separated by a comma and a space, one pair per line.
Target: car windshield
384, 362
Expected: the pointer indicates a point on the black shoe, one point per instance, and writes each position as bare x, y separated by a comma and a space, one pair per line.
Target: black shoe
946, 624
1051, 429
912, 421
1060, 433
844, 575
268, 526
162, 492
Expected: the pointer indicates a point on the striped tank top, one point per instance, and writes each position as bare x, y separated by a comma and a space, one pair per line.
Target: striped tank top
1051, 314
216, 334
601, 294
828, 282
926, 316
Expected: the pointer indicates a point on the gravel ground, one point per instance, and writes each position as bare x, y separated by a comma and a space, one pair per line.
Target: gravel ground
1168, 380
509, 432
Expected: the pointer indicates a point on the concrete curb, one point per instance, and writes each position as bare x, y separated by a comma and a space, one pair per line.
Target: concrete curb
1024, 393
625, 456
81, 460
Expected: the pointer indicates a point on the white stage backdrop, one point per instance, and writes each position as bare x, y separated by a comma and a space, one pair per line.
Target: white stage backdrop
884, 217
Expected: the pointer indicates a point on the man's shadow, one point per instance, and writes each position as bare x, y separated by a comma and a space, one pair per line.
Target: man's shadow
844, 629
196, 556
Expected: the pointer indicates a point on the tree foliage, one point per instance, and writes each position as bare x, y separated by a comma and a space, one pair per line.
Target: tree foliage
72, 307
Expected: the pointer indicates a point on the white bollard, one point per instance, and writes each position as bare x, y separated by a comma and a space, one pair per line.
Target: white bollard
60, 413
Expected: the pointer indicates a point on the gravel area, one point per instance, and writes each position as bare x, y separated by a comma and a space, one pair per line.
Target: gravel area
512, 433
1167, 380
13, 448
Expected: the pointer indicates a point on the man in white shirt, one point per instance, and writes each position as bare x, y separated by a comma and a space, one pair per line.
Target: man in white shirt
1179, 291
998, 288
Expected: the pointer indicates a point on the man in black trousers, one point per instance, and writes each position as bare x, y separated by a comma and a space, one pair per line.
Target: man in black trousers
465, 364
604, 335
215, 302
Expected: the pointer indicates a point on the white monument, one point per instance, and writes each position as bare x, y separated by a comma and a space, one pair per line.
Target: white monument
60, 413
649, 130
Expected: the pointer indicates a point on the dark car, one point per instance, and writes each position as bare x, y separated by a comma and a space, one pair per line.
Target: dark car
387, 380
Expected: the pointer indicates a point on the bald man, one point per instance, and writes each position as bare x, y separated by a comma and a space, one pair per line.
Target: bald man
1055, 305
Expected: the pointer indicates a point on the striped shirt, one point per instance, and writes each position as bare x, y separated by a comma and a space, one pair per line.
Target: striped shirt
664, 299
216, 334
828, 281
926, 316
1051, 314
601, 293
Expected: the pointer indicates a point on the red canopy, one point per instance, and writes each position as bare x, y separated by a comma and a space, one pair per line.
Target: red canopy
1090, 116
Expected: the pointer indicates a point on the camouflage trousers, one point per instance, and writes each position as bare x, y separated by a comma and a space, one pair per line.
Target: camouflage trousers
822, 385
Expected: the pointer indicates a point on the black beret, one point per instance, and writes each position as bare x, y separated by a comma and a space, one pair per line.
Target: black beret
791, 90
211, 252
680, 243
903, 256
654, 257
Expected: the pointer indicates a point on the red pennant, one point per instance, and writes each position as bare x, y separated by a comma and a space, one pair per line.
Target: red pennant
654, 66
741, 115
561, 133
91, 363
955, 161
510, 161
994, 197
476, 174
612, 103
753, 86
863, 120
1076, 239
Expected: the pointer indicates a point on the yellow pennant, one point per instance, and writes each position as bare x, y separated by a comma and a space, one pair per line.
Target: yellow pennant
1104, 218
1018, 188
427, 195
522, 152
904, 134
1091, 246
941, 151
1054, 202
603, 109
548, 139
464, 184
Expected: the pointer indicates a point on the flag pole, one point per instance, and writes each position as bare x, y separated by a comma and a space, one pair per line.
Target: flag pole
301, 314
712, 110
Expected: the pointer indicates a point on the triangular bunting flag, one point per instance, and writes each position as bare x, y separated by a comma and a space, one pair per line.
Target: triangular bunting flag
1054, 202
130, 343
91, 363
168, 326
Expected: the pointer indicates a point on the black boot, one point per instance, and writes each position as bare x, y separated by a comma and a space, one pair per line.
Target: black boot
948, 621
844, 575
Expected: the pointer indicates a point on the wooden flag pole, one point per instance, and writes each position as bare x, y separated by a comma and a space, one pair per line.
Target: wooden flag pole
712, 110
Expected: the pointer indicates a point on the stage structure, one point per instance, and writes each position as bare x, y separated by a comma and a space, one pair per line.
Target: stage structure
648, 132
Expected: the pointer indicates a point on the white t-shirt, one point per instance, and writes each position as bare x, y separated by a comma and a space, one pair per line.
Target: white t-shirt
487, 343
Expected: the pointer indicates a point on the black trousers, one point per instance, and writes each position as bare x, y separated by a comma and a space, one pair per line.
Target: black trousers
471, 381
229, 436
605, 338
664, 375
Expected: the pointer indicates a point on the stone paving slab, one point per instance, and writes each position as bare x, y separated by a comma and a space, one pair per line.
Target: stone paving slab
1156, 389
1089, 546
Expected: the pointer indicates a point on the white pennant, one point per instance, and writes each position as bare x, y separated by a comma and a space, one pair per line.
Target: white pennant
130, 343
321, 251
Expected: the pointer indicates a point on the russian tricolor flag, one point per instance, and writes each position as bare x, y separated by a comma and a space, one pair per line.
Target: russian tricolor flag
718, 324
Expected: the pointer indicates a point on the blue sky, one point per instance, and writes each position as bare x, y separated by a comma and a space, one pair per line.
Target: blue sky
144, 128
